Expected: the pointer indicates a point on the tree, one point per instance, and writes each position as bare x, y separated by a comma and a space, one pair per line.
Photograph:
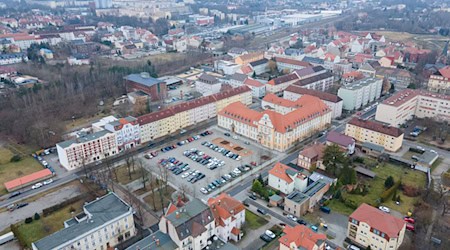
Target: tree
36, 216
143, 172
257, 187
348, 175
333, 158
129, 161
260, 179
389, 182
273, 67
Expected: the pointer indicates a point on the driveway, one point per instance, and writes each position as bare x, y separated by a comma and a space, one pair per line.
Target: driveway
7, 218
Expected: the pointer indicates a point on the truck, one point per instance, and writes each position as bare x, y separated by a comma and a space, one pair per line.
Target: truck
325, 209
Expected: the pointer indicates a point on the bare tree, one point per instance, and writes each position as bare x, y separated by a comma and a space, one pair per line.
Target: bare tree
143, 172
183, 189
164, 175
129, 160
153, 186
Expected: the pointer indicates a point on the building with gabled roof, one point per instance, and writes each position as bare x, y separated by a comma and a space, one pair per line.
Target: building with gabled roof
345, 142
439, 82
276, 130
127, 132
311, 157
371, 227
229, 215
189, 226
286, 179
301, 237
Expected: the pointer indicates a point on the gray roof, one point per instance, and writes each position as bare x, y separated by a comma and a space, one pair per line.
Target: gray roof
313, 60
372, 146
83, 139
143, 78
360, 83
367, 67
128, 119
315, 187
275, 198
101, 212
428, 158
365, 171
238, 77
297, 197
191, 219
208, 79
317, 176
149, 242
259, 62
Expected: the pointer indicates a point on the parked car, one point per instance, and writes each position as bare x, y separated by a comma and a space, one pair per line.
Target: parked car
314, 228
227, 134
261, 211
20, 205
384, 209
302, 222
49, 181
265, 238
15, 194
252, 196
291, 217
409, 220
37, 185
325, 209
410, 227
270, 234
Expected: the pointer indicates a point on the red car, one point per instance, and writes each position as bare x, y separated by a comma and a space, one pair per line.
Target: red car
410, 227
409, 220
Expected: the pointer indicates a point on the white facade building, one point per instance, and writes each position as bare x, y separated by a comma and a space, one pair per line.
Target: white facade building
359, 93
126, 131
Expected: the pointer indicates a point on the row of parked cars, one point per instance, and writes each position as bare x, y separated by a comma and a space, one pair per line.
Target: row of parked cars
225, 178
204, 159
223, 151
178, 167
43, 162
186, 141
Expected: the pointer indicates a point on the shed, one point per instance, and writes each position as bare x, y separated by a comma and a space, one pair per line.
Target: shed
275, 200
365, 172
28, 180
372, 149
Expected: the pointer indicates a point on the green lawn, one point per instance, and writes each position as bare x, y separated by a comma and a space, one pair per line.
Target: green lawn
47, 225
253, 221
12, 170
376, 188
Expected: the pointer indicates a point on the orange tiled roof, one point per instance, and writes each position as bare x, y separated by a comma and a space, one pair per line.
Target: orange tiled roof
28, 179
302, 236
445, 72
172, 208
279, 170
253, 82
235, 231
377, 219
224, 206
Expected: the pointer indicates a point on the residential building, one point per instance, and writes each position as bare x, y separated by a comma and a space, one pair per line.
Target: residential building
275, 130
190, 226
321, 79
333, 102
260, 66
248, 58
229, 215
155, 88
311, 157
163, 122
286, 179
300, 202
371, 227
367, 70
390, 138
284, 63
301, 237
208, 84
126, 131
439, 82
258, 88
359, 93
103, 224
400, 78
409, 103
345, 142
12, 58
279, 84
86, 149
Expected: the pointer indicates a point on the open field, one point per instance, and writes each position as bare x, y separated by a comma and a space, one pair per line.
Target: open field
435, 42
12, 170
253, 221
38, 229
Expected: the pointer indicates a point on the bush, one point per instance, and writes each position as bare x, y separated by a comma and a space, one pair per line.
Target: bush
388, 193
410, 191
389, 182
358, 159
37, 216
28, 220
15, 158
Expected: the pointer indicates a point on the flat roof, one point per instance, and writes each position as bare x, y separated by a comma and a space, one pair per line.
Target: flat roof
365, 171
83, 139
27, 179
143, 78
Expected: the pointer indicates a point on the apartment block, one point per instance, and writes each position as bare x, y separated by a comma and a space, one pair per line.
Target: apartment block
277, 85
439, 82
126, 131
103, 224
86, 149
275, 130
290, 64
167, 121
359, 93
334, 102
410, 103
391, 138
154, 88
371, 227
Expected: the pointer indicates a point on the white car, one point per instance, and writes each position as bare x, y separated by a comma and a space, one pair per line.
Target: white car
44, 163
185, 175
235, 137
48, 181
203, 190
37, 185
290, 216
384, 209
270, 234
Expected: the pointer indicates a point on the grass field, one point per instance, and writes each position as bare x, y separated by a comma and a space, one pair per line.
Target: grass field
253, 221
45, 226
12, 170
376, 188
124, 177
166, 198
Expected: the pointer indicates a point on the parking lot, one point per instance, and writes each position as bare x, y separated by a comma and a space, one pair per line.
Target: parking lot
205, 165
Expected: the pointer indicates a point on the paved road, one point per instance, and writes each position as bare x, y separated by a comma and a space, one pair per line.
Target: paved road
272, 213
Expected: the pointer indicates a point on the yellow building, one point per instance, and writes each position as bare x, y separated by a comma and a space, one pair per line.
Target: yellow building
390, 138
275, 130
440, 81
369, 226
248, 58
167, 121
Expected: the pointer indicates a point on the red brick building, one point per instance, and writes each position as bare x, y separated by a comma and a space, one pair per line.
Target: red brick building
155, 88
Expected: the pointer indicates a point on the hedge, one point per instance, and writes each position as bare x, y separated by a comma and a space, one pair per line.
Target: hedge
56, 207
389, 192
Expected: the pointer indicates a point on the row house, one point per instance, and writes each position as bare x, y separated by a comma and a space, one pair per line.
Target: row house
289, 64
275, 130
391, 138
127, 132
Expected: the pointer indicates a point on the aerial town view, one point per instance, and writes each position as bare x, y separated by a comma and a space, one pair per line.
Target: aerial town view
224, 124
